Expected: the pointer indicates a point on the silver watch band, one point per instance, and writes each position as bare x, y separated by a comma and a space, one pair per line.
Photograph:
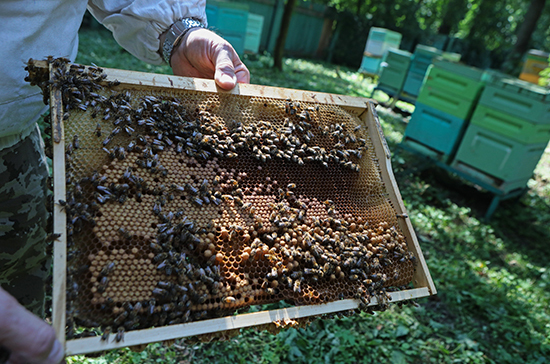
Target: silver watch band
176, 33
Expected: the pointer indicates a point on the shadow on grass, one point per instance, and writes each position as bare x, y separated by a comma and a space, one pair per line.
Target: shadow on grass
307, 75
493, 278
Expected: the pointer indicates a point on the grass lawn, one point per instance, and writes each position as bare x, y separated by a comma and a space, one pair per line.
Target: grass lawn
493, 279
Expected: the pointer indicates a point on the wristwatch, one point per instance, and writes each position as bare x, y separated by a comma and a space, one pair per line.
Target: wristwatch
175, 35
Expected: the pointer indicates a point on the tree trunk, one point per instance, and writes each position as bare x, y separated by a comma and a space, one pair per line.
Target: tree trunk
454, 12
528, 25
283, 31
524, 33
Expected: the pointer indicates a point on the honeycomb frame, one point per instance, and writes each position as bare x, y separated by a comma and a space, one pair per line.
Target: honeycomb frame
363, 108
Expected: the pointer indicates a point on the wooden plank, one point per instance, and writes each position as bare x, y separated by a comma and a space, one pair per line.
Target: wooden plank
148, 80
138, 337
422, 277
207, 85
59, 219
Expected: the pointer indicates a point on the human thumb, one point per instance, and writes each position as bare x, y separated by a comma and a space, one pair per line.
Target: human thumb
27, 337
225, 70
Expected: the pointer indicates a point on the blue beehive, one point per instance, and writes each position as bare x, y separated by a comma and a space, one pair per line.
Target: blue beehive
393, 70
422, 58
435, 129
229, 20
444, 105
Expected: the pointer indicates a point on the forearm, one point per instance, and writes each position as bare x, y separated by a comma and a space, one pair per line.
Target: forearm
137, 25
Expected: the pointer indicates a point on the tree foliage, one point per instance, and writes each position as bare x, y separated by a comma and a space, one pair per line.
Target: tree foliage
524, 33
483, 31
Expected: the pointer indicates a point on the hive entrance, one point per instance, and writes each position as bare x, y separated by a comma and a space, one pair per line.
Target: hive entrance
186, 205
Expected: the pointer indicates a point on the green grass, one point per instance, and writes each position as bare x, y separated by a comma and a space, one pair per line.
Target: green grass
493, 279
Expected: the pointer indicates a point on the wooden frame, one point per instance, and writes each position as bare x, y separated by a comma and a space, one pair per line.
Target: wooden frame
422, 280
59, 219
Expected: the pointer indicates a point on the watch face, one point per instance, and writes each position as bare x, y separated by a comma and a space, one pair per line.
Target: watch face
177, 29
191, 23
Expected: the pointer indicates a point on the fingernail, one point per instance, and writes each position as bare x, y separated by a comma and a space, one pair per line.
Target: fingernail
229, 78
56, 354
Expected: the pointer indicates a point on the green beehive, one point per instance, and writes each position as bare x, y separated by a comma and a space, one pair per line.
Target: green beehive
511, 126
427, 52
395, 68
370, 65
491, 153
445, 101
518, 98
463, 81
419, 65
413, 83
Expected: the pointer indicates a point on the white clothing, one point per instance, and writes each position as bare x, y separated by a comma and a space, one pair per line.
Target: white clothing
40, 28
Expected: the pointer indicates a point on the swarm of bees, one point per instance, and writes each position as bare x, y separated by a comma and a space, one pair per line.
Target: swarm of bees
184, 205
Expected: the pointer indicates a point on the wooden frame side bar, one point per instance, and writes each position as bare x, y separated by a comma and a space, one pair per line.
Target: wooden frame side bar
59, 218
422, 277
146, 336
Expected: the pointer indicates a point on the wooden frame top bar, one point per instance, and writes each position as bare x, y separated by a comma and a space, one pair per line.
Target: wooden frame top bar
144, 79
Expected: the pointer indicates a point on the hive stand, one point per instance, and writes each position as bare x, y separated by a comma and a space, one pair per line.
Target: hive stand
431, 157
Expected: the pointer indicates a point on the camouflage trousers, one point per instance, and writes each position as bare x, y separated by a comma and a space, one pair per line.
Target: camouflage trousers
23, 217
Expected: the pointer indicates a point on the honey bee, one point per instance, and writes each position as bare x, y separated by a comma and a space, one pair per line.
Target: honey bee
296, 287
229, 299
120, 318
151, 306
76, 142
107, 269
137, 308
120, 334
52, 237
124, 233
106, 333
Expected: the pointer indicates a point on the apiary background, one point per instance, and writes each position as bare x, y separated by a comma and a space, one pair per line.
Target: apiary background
352, 195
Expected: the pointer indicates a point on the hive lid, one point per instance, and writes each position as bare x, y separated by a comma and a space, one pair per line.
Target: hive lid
516, 85
426, 51
400, 52
538, 54
457, 68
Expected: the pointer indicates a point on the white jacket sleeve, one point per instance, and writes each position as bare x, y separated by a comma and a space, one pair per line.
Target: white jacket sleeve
137, 24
